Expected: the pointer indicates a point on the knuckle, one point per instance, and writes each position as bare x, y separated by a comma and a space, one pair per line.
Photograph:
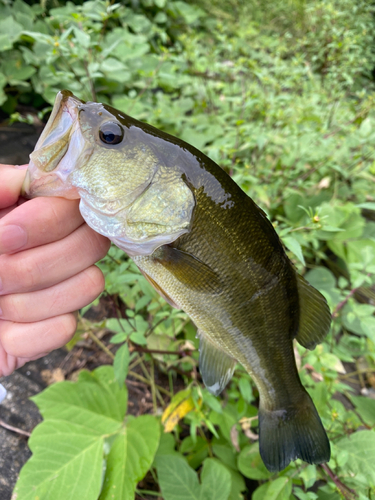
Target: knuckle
28, 272
12, 307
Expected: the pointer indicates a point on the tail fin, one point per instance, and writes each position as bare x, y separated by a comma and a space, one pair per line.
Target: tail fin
291, 433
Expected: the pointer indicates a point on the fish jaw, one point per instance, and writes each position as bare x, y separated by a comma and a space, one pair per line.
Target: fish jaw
57, 152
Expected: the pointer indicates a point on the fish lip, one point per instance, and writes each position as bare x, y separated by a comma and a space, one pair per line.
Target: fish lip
60, 126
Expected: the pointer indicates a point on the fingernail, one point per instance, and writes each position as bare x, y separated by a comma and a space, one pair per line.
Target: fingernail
12, 238
3, 393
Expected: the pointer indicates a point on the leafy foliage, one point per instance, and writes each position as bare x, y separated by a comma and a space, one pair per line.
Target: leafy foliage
81, 421
280, 95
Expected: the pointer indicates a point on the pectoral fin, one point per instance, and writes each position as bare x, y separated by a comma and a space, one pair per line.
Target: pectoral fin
215, 366
315, 315
189, 270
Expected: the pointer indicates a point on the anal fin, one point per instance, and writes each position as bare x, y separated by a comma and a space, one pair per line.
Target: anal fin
315, 315
215, 366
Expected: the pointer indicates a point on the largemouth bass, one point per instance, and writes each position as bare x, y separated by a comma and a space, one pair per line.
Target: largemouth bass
205, 246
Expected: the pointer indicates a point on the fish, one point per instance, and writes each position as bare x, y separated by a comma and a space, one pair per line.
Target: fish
205, 246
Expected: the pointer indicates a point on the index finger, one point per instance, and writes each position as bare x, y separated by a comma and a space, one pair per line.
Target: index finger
11, 179
38, 222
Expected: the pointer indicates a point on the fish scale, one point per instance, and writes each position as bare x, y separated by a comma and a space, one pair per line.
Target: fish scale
205, 246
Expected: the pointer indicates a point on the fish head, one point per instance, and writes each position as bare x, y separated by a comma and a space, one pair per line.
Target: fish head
94, 152
85, 151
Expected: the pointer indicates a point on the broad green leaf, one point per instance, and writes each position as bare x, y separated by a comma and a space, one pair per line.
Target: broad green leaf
331, 362
216, 481
366, 408
259, 493
82, 37
120, 325
225, 420
92, 402
10, 28
177, 480
321, 278
279, 489
62, 466
130, 458
250, 463
121, 364
308, 474
166, 446
5, 42
105, 377
361, 449
302, 495
295, 247
245, 388
225, 451
238, 484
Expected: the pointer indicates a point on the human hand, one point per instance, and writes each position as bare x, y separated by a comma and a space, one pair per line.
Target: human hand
47, 254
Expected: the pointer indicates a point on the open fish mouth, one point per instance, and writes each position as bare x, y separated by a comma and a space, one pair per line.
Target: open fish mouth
59, 145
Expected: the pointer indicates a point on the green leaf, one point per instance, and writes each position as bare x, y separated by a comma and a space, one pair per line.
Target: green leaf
331, 362
369, 205
366, 408
279, 489
82, 37
5, 42
120, 325
294, 247
177, 480
361, 449
216, 481
121, 364
321, 278
308, 474
95, 403
130, 458
10, 28
138, 338
245, 389
223, 450
259, 493
250, 463
65, 462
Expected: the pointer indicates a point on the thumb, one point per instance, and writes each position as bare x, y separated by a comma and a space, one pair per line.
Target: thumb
11, 179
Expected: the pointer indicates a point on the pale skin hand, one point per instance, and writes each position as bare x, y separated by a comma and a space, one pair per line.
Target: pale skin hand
47, 254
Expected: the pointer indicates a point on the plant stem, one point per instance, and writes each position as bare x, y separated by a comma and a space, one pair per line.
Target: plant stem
152, 380
100, 344
14, 429
346, 492
145, 381
157, 351
341, 304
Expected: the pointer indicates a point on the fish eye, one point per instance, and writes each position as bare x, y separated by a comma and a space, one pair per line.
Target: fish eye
111, 133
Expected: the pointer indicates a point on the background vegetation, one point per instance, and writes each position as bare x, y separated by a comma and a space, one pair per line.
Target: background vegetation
281, 95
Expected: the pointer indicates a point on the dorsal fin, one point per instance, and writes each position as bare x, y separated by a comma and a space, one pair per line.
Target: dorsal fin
315, 315
215, 366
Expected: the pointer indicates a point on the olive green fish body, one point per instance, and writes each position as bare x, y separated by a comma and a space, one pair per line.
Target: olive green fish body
205, 246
